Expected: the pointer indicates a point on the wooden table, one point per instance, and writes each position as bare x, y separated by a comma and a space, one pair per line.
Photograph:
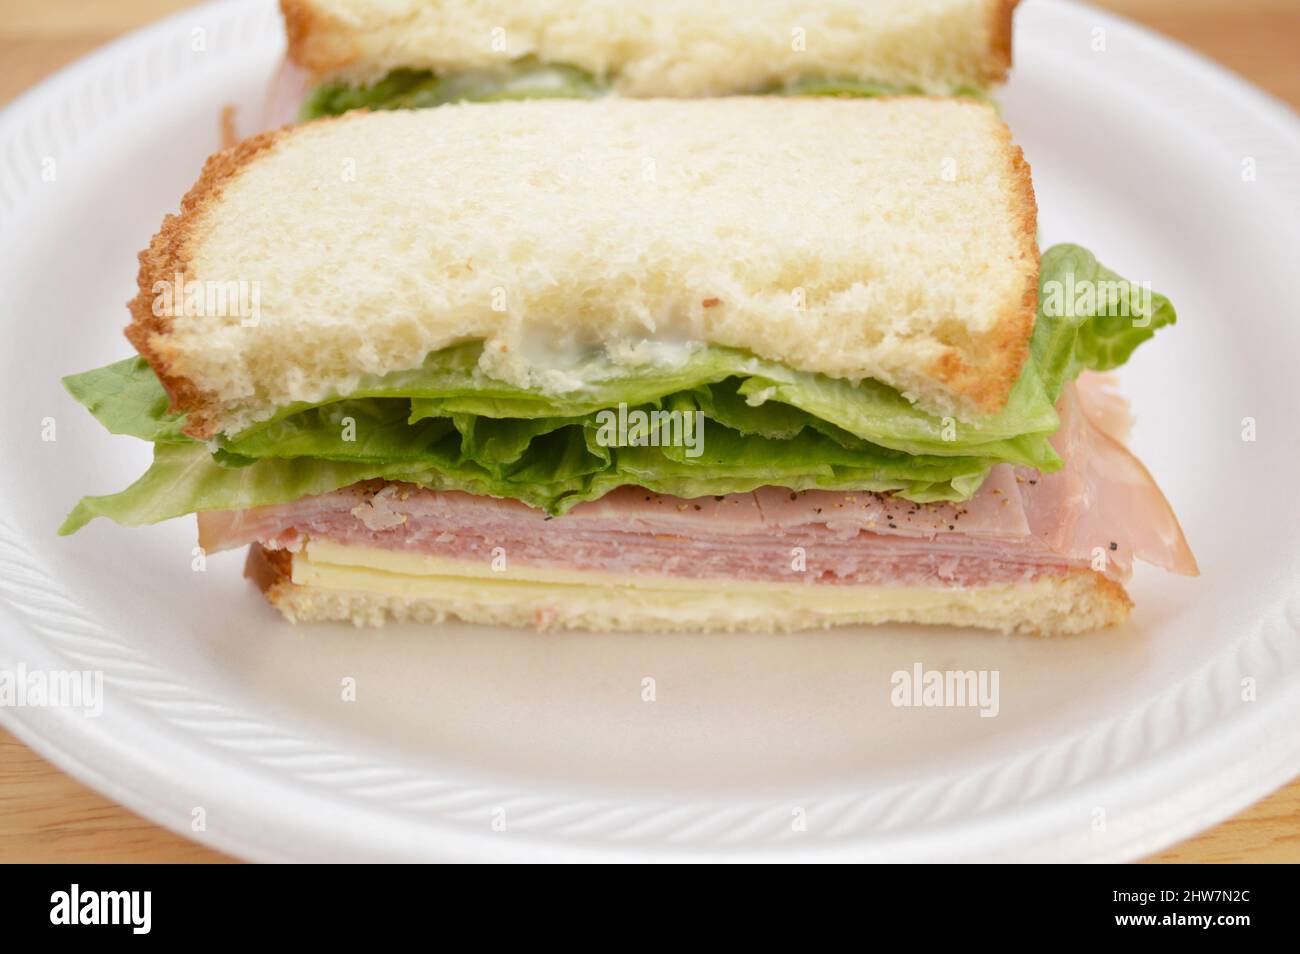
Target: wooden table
45, 815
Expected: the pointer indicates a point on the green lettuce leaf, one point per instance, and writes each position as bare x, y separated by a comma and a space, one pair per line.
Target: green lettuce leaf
447, 425
127, 398
417, 89
562, 469
185, 478
528, 78
1089, 316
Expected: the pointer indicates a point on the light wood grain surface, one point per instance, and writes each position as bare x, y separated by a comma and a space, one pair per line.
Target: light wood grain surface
46, 815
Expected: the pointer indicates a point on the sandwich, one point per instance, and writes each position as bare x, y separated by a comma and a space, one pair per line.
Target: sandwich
735, 363
349, 54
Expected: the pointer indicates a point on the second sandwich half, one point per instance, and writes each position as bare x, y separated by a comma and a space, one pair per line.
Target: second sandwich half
742, 363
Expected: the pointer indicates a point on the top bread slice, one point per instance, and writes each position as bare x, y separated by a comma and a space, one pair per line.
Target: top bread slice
891, 239
670, 48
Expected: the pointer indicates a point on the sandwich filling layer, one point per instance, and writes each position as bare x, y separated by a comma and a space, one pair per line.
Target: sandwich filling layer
530, 79
712, 421
1028, 553
1099, 513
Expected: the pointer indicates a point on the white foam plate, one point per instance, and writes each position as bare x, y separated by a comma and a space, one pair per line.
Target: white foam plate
1109, 746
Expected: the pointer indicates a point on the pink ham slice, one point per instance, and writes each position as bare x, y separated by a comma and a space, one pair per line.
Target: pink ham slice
1106, 409
284, 97
1104, 501
1101, 511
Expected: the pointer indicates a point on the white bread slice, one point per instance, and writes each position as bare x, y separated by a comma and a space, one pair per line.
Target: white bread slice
674, 48
891, 239
1074, 602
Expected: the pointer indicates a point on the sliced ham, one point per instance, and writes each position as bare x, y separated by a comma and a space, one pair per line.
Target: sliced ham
1101, 511
1104, 505
1107, 409
284, 97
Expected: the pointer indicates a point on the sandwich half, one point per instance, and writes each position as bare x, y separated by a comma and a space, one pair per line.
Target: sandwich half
385, 54
736, 363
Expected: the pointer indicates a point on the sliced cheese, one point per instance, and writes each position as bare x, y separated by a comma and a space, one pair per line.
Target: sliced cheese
370, 586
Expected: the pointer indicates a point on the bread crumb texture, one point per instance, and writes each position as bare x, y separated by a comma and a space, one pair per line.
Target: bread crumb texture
674, 48
891, 239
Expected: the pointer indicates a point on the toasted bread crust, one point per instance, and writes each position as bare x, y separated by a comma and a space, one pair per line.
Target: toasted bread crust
1000, 56
167, 259
1108, 592
317, 42
987, 385
298, 26
270, 570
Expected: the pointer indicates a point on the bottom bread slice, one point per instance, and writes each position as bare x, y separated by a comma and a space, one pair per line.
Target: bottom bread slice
369, 588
